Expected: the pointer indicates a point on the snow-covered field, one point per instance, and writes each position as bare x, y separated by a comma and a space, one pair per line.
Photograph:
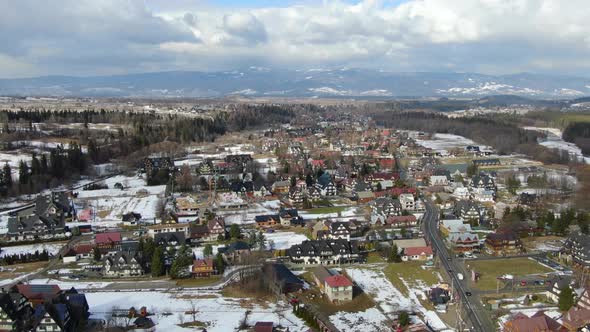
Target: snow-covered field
346, 214
52, 249
284, 240
444, 142
79, 285
389, 299
245, 216
554, 141
221, 314
110, 204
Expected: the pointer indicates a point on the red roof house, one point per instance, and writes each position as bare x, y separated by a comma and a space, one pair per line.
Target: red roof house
107, 240
417, 253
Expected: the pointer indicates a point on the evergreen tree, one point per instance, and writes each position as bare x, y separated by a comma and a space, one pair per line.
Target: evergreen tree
44, 164
96, 254
23, 173
394, 256
158, 262
182, 261
219, 264
208, 250
7, 175
234, 231
566, 298
404, 318
35, 165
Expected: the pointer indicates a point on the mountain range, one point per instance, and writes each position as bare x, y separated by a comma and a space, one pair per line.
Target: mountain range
259, 82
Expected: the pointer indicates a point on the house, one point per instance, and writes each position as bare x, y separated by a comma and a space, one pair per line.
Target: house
364, 196
329, 189
12, 318
486, 162
483, 182
314, 193
417, 254
78, 252
470, 211
439, 180
263, 327
464, 242
401, 221
37, 294
576, 318
281, 279
122, 264
51, 317
36, 227
439, 295
584, 299
461, 193
505, 243
131, 219
407, 201
320, 273
170, 228
339, 230
576, 249
203, 268
166, 240
216, 228
338, 288
152, 165
236, 251
483, 195
281, 187
538, 322
56, 204
324, 252
187, 206
449, 227
384, 207
267, 221
199, 233
296, 196
111, 240
290, 217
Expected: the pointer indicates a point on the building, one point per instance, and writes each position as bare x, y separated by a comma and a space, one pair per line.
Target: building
417, 254
122, 264
324, 252
170, 228
170, 240
407, 202
470, 211
203, 268
539, 322
483, 182
338, 288
152, 165
267, 220
439, 180
486, 162
464, 242
36, 227
502, 244
576, 249
51, 317
290, 217
110, 240
281, 279
216, 228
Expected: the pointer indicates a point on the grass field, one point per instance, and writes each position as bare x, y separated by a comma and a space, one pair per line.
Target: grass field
492, 269
412, 273
197, 282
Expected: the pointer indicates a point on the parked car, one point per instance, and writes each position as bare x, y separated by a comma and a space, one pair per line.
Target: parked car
523, 283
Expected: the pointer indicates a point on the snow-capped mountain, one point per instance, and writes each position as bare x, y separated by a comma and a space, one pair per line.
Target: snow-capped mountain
258, 81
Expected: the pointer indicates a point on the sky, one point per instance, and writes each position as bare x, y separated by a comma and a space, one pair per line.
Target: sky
107, 37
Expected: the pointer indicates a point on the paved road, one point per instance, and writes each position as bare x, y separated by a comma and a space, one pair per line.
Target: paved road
475, 312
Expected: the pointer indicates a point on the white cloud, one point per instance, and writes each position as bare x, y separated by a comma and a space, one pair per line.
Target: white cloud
494, 36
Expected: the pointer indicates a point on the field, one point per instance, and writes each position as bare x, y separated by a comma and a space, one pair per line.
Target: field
11, 273
492, 269
402, 275
198, 282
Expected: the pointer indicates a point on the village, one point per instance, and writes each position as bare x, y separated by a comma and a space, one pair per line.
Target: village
332, 225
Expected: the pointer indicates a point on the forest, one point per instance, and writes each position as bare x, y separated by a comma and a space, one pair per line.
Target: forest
503, 136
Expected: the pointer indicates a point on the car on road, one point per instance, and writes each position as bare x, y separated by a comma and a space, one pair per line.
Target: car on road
449, 258
468, 293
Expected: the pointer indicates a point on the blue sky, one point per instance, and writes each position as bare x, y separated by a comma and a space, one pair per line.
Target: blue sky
89, 37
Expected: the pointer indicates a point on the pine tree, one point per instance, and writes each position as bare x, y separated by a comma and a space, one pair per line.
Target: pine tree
219, 264
23, 173
208, 250
234, 231
7, 175
96, 254
394, 256
566, 298
158, 262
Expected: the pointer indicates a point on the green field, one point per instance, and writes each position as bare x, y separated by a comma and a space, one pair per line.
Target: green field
412, 273
492, 269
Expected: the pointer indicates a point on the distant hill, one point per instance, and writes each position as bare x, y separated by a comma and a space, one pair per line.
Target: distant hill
343, 83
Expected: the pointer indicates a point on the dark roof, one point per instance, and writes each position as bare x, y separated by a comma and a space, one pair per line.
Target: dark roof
167, 238
283, 274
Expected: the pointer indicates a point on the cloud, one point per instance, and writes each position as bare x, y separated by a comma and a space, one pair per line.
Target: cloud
491, 36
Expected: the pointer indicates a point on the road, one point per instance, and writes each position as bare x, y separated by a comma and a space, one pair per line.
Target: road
474, 310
